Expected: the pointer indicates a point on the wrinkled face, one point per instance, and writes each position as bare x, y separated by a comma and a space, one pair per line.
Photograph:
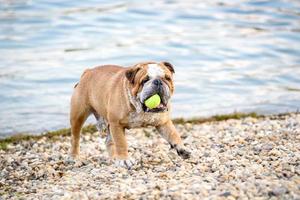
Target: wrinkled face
147, 79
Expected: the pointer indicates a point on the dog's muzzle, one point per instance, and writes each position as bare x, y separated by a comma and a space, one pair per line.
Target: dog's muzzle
156, 87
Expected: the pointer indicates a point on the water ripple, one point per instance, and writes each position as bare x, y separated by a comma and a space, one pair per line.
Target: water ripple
229, 55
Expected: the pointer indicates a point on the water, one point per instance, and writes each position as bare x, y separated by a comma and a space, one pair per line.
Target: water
229, 55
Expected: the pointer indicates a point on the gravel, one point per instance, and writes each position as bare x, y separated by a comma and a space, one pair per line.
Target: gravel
246, 159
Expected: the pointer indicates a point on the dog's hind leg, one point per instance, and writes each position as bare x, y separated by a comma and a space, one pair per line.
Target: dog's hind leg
103, 126
110, 145
78, 115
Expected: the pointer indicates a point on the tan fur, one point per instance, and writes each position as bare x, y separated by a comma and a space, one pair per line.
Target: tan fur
107, 93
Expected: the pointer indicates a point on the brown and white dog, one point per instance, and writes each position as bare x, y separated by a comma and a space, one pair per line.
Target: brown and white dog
116, 96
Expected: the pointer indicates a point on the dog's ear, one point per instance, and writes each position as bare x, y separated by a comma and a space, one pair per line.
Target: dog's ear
169, 66
131, 72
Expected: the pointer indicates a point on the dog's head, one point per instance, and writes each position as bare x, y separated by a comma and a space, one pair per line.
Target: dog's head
147, 79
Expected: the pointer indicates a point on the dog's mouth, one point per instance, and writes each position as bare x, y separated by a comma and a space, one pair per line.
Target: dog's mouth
160, 108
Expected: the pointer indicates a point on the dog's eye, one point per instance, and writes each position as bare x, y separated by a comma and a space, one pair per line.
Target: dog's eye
145, 80
168, 78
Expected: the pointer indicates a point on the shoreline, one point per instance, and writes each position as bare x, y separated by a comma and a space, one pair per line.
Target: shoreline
245, 158
92, 128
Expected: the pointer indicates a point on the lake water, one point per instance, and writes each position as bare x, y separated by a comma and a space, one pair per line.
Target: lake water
229, 55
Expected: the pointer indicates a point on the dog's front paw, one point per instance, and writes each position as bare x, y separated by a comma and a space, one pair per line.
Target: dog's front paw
128, 163
181, 151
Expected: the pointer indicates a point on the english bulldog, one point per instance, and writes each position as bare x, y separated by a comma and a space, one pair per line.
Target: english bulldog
116, 96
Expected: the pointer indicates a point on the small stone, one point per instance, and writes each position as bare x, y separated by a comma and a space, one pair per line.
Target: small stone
225, 194
267, 147
277, 191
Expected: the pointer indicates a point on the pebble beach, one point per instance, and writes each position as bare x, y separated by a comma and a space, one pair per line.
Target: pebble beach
249, 158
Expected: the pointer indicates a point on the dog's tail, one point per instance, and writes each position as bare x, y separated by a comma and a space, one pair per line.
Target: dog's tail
84, 72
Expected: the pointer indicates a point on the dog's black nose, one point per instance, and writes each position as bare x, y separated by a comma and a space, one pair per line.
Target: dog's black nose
157, 82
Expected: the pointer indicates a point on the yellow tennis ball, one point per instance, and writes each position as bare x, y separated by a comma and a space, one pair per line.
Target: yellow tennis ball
153, 101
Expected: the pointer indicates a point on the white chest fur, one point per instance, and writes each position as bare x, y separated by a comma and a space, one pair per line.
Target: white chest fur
144, 119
